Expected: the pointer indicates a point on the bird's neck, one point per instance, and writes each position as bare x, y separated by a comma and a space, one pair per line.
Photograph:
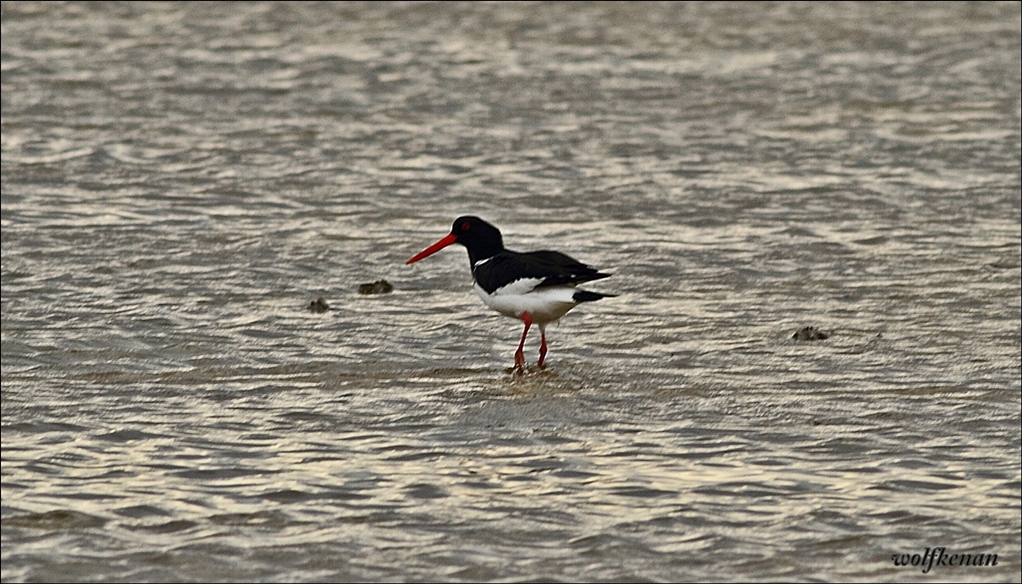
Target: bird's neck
480, 252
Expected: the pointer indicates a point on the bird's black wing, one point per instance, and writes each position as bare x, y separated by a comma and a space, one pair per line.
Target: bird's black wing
550, 268
561, 269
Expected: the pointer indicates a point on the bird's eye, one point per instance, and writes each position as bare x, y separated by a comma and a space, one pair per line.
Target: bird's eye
465, 225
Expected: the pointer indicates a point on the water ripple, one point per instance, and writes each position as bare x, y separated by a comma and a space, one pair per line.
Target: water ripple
180, 181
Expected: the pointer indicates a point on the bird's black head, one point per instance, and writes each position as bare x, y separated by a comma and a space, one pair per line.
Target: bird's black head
480, 238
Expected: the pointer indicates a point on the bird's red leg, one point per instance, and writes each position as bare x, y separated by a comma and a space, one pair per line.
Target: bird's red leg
542, 346
519, 354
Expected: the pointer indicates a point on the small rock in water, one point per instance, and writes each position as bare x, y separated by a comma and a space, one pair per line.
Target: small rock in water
319, 305
809, 333
377, 287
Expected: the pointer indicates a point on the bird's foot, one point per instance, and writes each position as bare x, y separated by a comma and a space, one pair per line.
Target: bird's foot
519, 368
528, 370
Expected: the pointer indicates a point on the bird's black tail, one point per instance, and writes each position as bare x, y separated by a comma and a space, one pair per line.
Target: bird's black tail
587, 296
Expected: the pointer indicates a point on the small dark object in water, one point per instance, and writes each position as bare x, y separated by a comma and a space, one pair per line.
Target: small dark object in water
377, 287
319, 305
809, 333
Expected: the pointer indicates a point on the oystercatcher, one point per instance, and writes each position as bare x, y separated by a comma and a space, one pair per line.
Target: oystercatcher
536, 287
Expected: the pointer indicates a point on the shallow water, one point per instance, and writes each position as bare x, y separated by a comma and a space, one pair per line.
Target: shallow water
180, 181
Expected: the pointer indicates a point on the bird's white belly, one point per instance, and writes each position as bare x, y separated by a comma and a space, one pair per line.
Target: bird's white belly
544, 305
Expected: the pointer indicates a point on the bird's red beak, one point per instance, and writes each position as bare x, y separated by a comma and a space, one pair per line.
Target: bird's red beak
448, 240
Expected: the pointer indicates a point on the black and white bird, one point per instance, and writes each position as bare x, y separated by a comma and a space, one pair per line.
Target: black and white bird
537, 287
